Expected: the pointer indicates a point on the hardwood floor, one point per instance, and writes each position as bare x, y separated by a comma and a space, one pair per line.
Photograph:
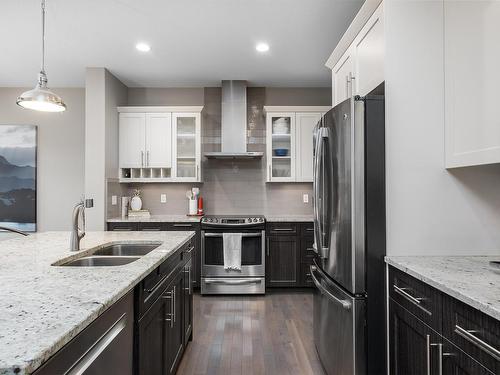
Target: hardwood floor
269, 334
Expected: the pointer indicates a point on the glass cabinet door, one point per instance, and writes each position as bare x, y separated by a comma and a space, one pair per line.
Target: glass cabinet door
187, 146
281, 146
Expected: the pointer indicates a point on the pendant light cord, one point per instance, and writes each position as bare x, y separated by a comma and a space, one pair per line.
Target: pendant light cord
43, 36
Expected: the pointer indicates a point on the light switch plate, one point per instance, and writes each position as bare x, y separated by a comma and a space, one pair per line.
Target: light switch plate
163, 198
305, 198
113, 200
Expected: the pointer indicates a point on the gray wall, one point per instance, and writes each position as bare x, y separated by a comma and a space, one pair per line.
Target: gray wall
430, 210
104, 92
60, 153
230, 187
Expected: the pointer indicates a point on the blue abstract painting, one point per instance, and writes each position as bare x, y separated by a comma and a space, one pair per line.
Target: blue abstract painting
18, 145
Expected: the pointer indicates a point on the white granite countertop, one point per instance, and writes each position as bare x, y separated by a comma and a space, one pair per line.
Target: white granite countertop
469, 279
157, 219
42, 307
289, 218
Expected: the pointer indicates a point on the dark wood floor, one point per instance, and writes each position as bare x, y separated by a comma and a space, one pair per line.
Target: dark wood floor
269, 334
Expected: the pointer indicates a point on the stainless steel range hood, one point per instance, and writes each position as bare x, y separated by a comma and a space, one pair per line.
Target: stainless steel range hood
234, 123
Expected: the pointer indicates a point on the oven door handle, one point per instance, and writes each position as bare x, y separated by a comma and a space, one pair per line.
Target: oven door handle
242, 235
232, 282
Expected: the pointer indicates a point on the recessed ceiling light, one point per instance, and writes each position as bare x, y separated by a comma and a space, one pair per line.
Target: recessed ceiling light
262, 47
143, 47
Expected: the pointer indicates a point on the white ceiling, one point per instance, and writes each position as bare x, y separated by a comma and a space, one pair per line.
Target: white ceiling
194, 42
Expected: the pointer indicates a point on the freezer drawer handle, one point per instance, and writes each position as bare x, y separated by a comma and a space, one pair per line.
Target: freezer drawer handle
469, 336
346, 305
208, 234
233, 282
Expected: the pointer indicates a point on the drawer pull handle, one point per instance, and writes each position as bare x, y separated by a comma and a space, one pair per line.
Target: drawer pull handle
182, 225
150, 229
408, 296
310, 249
469, 336
283, 229
122, 229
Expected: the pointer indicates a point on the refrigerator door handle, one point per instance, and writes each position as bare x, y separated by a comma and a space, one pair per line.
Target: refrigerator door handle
319, 202
345, 304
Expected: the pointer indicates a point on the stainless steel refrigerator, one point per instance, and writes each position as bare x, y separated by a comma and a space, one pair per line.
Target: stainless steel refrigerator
349, 212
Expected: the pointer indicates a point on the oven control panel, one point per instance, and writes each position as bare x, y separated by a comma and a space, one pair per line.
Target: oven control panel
233, 220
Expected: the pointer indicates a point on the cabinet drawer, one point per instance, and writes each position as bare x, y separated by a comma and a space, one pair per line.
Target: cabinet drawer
182, 226
307, 253
417, 297
477, 334
456, 361
122, 226
307, 229
151, 226
285, 229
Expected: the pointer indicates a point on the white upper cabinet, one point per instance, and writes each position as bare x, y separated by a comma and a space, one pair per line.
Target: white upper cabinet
304, 124
342, 74
289, 142
132, 140
472, 78
281, 147
357, 62
187, 147
160, 144
368, 49
158, 140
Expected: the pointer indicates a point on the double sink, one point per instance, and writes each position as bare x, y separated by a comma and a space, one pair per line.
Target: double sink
116, 254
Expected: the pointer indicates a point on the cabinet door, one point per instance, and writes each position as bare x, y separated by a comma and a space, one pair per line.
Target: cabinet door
188, 301
472, 58
456, 362
151, 340
281, 147
158, 140
174, 327
132, 140
186, 147
282, 261
305, 123
369, 54
414, 347
341, 78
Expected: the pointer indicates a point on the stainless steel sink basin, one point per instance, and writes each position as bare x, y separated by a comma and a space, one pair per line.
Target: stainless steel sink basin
127, 249
101, 261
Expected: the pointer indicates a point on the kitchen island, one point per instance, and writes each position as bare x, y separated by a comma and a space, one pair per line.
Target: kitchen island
43, 306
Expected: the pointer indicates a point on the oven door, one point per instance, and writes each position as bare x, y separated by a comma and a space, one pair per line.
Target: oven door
252, 254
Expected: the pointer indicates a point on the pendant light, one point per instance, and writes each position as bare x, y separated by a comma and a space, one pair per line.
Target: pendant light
41, 98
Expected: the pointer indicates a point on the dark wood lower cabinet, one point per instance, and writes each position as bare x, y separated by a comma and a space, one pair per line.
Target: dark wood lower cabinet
188, 301
412, 344
417, 349
282, 261
174, 323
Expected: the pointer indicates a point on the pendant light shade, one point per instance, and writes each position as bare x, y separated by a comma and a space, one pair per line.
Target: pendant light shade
41, 98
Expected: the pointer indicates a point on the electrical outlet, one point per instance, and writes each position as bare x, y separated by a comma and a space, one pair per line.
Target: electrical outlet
113, 200
305, 198
163, 198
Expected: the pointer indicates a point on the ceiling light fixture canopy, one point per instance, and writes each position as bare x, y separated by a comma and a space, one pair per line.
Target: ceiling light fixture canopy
41, 98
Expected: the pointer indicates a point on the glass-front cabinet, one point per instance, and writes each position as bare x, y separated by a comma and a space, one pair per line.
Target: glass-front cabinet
280, 147
186, 147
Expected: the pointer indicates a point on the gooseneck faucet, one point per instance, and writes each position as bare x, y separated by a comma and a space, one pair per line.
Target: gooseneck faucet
78, 231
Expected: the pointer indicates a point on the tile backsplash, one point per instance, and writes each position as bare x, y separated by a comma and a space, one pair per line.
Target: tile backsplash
233, 186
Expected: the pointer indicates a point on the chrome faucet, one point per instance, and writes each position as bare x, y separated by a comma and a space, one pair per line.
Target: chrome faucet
78, 231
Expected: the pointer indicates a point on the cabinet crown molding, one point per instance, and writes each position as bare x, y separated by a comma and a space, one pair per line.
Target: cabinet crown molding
159, 109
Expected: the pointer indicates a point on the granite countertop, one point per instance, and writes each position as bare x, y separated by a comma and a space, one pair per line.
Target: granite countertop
157, 219
42, 307
469, 279
190, 219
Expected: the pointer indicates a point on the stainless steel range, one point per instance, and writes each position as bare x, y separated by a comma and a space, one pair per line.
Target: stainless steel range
251, 278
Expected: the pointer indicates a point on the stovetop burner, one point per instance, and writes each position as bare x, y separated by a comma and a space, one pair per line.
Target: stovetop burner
233, 220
